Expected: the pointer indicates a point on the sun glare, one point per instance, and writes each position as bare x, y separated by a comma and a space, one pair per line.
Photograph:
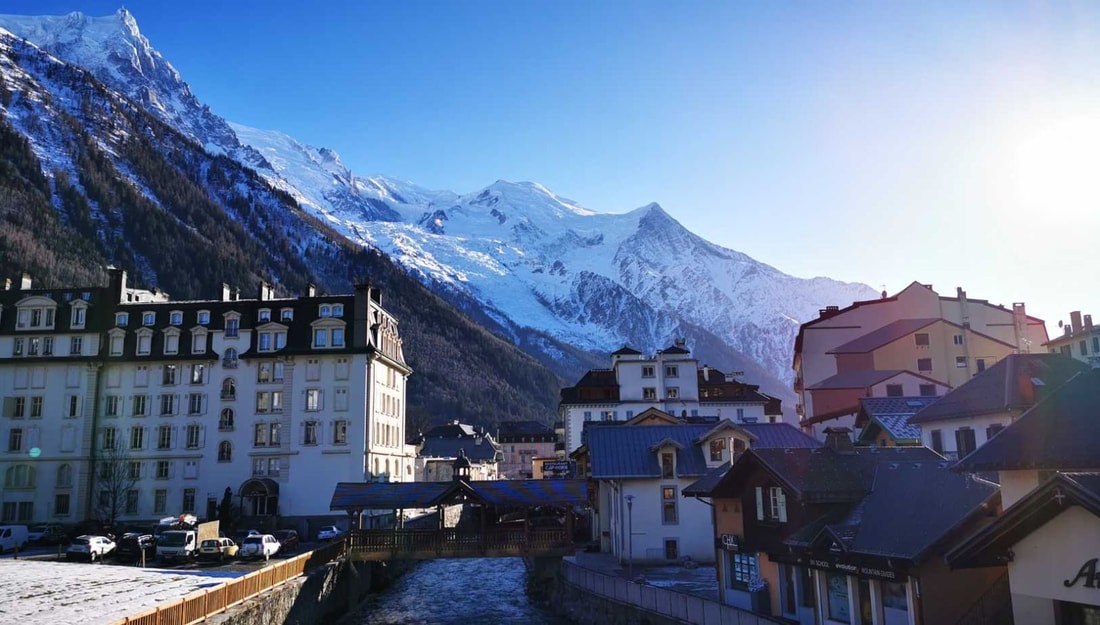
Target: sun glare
1057, 170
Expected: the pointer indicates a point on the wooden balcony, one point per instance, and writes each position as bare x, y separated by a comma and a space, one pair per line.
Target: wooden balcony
427, 544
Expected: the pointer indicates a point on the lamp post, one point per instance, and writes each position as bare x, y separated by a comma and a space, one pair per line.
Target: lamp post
630, 536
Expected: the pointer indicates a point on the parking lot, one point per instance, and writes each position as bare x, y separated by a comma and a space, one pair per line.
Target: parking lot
40, 589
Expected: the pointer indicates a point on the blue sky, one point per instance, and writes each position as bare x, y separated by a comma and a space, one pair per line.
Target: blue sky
946, 143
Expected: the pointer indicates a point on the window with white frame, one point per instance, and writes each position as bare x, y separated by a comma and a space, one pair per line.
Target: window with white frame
286, 315
137, 437
175, 318
196, 403
198, 373
225, 421
324, 310
648, 371
313, 399
36, 406
78, 315
194, 436
672, 371
164, 469
144, 343
203, 317
122, 319
172, 342
309, 433
273, 466
148, 318
168, 375
669, 506
198, 342
320, 337
232, 325
164, 437
111, 405
76, 345
270, 372
340, 432
139, 406
115, 344
109, 438
263, 315
337, 337
167, 404
337, 310
771, 504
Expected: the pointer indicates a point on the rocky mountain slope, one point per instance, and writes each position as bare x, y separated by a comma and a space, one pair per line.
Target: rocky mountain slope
565, 283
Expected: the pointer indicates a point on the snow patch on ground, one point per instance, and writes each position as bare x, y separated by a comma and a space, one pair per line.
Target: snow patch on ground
47, 593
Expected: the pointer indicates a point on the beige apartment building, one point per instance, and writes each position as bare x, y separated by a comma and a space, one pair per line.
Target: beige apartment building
927, 342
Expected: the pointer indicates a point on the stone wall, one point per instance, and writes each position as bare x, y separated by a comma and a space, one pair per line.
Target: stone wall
324, 596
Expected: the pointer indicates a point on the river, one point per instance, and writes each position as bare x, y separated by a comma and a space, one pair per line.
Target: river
438, 592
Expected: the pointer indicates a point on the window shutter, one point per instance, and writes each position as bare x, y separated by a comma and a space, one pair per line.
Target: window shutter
759, 503
202, 436
781, 500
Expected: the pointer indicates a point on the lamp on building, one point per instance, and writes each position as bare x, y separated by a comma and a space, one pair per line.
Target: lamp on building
630, 536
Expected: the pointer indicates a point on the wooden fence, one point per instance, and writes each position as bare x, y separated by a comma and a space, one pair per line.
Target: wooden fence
198, 606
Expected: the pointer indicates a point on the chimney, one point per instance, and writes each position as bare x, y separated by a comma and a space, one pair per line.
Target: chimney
226, 292
25, 283
7, 284
267, 291
311, 290
679, 343
116, 283
360, 319
236, 294
839, 439
1075, 321
706, 373
1088, 322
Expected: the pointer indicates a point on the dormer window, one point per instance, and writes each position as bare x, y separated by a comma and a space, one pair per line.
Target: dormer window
172, 341
718, 450
232, 325
144, 343
175, 317
320, 337
337, 310
325, 311
78, 316
148, 318
264, 315
668, 465
286, 314
36, 314
337, 337
198, 341
122, 319
204, 317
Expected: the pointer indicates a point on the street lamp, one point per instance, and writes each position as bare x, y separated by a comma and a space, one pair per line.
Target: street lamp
630, 536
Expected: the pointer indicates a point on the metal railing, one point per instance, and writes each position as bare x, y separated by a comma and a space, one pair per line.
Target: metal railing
201, 605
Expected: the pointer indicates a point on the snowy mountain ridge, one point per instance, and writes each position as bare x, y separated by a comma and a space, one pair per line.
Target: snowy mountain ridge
531, 258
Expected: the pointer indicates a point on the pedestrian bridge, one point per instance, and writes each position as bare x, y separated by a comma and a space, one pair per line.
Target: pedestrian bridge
506, 518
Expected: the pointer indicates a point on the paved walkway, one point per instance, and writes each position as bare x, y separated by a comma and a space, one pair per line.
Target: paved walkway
701, 580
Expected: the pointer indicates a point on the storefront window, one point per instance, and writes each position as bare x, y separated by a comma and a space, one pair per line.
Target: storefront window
893, 596
837, 586
742, 567
1078, 613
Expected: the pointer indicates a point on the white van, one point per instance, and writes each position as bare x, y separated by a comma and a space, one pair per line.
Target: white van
13, 537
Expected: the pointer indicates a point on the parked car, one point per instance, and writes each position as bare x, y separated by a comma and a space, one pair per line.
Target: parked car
133, 544
330, 532
218, 549
288, 540
259, 546
46, 534
13, 537
89, 548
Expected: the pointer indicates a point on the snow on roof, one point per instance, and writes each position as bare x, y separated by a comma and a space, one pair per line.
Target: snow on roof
46, 593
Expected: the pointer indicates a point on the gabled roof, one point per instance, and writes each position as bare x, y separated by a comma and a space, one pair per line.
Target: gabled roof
909, 508
891, 414
1061, 432
402, 495
484, 451
626, 350
820, 475
778, 435
625, 450
703, 486
990, 546
863, 378
883, 336
1010, 383
651, 414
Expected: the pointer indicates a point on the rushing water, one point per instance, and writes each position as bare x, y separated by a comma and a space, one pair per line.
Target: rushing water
488, 590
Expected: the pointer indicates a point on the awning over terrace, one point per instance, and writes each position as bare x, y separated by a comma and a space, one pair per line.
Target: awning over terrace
406, 495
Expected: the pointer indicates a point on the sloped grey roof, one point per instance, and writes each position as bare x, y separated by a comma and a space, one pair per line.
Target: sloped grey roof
883, 336
770, 435
1013, 382
449, 447
892, 415
1062, 432
624, 451
703, 485
857, 379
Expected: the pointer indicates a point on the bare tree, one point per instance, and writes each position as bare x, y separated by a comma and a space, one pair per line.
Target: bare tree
115, 479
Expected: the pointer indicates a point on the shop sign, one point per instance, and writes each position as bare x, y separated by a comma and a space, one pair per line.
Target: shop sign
729, 542
859, 570
1087, 572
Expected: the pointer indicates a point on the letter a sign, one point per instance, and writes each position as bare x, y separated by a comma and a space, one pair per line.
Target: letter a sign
1087, 573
